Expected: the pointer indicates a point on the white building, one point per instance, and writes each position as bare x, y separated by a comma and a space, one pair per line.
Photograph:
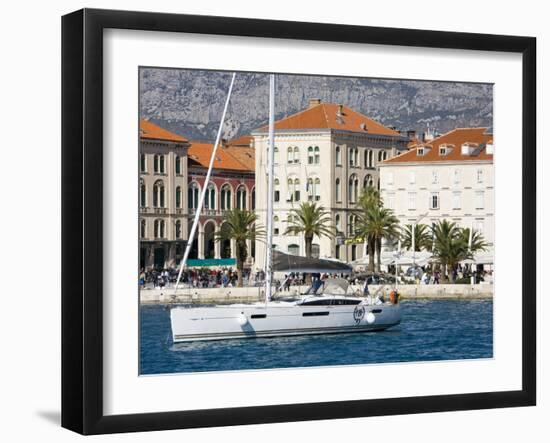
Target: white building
451, 177
326, 153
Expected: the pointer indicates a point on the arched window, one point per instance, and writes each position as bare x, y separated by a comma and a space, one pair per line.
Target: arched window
317, 189
226, 197
156, 163
356, 157
210, 197
142, 228
161, 164
178, 196
276, 154
275, 225
253, 202
193, 196
276, 191
371, 159
178, 229
338, 156
159, 228
385, 156
338, 190
178, 165
294, 249
313, 189
351, 157
142, 194
353, 188
317, 155
241, 197
368, 182
352, 220
296, 190
380, 153
142, 163
290, 190
158, 194
290, 155
296, 154
310, 155
338, 223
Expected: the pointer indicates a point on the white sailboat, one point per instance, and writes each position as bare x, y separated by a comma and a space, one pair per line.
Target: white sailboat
326, 308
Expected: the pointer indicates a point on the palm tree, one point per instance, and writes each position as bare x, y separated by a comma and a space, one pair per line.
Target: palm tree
310, 220
478, 242
384, 225
369, 199
451, 245
374, 223
239, 225
422, 237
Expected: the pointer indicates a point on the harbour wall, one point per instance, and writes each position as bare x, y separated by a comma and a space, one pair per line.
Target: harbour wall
252, 294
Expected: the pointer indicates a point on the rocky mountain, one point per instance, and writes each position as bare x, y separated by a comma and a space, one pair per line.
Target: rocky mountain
190, 102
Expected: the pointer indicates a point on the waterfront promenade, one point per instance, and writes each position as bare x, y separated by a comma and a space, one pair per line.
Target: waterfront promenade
253, 294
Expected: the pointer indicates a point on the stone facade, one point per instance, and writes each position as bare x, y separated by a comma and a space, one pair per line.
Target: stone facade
451, 177
328, 165
163, 216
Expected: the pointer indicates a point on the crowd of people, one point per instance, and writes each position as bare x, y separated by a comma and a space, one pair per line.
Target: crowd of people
198, 277
462, 274
227, 277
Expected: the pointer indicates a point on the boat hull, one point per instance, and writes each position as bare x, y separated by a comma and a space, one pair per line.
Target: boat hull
252, 321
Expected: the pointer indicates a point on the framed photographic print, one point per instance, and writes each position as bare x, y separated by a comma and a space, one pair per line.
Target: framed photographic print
273, 221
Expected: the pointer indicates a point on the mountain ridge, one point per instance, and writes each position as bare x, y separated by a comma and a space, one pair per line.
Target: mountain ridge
190, 102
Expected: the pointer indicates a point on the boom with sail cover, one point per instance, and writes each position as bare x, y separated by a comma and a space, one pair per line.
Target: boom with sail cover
294, 263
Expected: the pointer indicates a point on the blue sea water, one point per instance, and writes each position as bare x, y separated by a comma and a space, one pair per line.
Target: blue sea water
430, 330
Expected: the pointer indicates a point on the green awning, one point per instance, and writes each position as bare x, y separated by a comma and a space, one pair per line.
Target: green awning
197, 263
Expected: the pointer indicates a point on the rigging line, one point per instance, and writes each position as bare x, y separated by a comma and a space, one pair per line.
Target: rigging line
204, 188
271, 160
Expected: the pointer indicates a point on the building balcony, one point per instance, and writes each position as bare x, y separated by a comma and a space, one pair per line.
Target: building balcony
208, 212
162, 211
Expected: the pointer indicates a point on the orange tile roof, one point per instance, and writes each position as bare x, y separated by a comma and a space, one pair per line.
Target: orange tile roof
245, 155
151, 131
325, 116
243, 140
456, 137
229, 158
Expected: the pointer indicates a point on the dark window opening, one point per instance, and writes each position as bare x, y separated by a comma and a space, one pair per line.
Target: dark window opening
258, 316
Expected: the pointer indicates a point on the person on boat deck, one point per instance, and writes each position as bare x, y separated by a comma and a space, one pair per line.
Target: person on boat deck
287, 282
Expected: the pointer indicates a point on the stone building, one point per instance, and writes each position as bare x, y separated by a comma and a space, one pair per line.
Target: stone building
232, 185
172, 172
163, 215
450, 177
327, 153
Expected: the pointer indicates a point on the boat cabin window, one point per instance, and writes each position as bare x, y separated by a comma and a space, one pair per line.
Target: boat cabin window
331, 301
341, 301
322, 302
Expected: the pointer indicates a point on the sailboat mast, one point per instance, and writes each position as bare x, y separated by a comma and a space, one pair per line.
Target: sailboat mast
270, 174
204, 188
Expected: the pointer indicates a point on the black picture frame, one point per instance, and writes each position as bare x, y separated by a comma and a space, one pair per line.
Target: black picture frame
82, 188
